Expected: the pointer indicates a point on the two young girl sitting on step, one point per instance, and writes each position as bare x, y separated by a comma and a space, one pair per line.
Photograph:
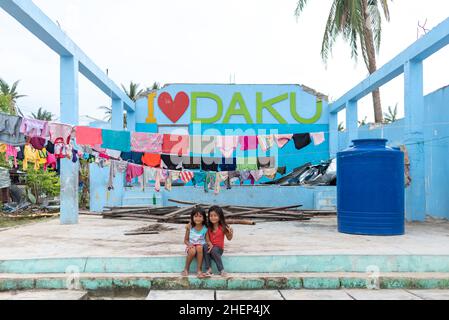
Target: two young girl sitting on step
204, 239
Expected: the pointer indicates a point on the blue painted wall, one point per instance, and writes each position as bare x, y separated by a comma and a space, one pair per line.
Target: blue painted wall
435, 149
306, 107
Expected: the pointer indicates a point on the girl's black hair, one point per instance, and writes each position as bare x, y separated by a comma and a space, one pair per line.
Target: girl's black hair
194, 212
218, 210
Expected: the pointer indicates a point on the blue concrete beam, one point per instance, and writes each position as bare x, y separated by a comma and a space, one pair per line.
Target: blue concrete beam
34, 20
432, 42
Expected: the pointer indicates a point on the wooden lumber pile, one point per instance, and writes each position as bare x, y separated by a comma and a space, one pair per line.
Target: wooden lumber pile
245, 215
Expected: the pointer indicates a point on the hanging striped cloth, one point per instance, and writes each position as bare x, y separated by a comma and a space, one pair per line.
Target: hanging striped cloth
187, 176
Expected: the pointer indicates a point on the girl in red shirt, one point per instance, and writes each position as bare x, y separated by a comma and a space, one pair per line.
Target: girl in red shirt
216, 233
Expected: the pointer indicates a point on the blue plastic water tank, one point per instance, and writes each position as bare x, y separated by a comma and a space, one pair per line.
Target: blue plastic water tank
371, 189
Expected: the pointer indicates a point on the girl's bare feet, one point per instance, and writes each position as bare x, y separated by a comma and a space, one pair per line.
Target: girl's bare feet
208, 273
223, 274
185, 273
201, 275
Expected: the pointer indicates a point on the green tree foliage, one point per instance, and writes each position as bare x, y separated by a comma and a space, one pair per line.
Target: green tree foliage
9, 97
43, 114
359, 22
42, 183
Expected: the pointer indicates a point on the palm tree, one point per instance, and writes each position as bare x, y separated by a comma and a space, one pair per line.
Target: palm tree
133, 92
392, 114
43, 115
341, 127
360, 24
9, 97
108, 115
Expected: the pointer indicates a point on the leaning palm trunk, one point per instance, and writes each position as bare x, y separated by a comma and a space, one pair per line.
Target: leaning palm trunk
371, 60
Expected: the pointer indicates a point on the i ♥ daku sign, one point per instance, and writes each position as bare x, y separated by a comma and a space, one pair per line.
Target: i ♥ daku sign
233, 104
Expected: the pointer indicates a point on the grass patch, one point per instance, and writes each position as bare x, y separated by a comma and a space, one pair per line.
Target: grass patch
8, 222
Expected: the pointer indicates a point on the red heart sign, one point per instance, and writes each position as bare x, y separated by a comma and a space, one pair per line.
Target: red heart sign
174, 110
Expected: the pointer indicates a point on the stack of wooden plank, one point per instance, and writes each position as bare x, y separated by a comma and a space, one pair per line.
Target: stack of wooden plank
234, 214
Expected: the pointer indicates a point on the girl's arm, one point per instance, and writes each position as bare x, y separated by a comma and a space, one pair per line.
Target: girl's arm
209, 244
187, 236
229, 232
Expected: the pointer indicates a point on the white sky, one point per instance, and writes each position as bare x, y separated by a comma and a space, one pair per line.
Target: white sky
205, 41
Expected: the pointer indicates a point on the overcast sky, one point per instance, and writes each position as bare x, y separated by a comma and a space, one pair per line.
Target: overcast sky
205, 41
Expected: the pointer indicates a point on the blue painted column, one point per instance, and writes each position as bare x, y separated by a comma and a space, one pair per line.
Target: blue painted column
414, 139
352, 124
131, 121
117, 114
333, 134
69, 115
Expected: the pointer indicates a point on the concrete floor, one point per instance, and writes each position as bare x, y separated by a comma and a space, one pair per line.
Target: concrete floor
44, 295
301, 295
97, 237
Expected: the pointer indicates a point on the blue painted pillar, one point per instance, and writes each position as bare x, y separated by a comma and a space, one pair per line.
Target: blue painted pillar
333, 134
352, 124
414, 139
69, 115
131, 121
117, 114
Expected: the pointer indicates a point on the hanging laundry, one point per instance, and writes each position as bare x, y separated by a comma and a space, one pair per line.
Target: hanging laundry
266, 162
191, 163
102, 162
133, 171
210, 164
228, 164
10, 130
198, 178
227, 145
116, 140
257, 174
187, 176
51, 161
88, 136
60, 133
318, 138
219, 178
202, 145
61, 149
282, 139
249, 163
50, 147
175, 175
38, 143
32, 155
11, 151
146, 142
266, 142
157, 184
168, 182
115, 167
74, 156
113, 153
171, 162
246, 175
149, 174
270, 173
3, 148
34, 128
176, 144
151, 160
302, 140
133, 157
248, 143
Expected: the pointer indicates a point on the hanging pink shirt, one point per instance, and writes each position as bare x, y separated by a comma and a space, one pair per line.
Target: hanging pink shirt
60, 131
146, 142
11, 152
88, 136
34, 128
282, 139
133, 171
51, 161
227, 145
248, 142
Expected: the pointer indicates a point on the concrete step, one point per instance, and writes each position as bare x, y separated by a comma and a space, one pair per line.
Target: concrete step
249, 281
44, 295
